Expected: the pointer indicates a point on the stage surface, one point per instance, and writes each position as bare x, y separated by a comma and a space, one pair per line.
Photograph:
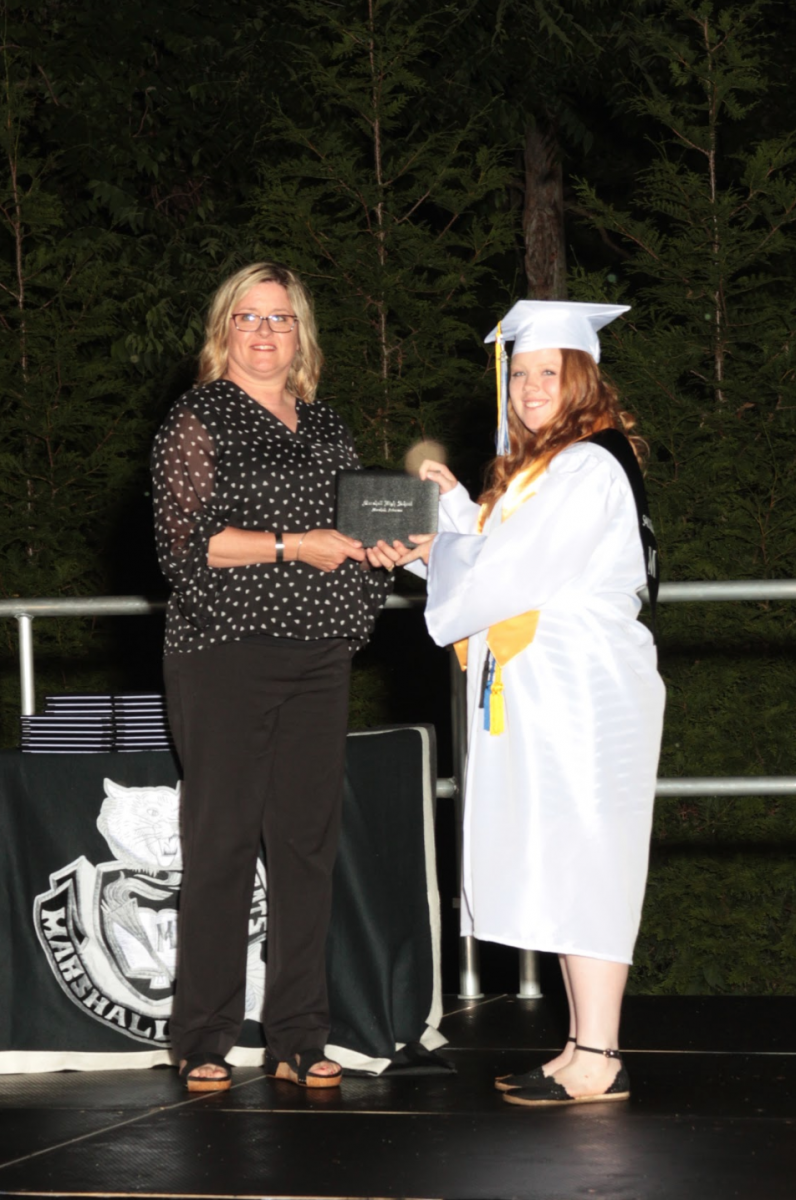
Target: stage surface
712, 1117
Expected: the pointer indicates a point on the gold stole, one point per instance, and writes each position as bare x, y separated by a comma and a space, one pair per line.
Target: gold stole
508, 638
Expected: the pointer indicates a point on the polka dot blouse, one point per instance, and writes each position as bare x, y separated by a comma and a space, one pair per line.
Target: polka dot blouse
222, 459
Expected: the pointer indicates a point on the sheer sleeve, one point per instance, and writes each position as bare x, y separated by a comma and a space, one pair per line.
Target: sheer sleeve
183, 473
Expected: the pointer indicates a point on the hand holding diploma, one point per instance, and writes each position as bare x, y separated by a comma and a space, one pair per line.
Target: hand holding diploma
438, 473
398, 555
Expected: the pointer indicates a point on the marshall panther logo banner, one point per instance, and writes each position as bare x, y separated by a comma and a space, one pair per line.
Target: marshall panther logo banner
110, 931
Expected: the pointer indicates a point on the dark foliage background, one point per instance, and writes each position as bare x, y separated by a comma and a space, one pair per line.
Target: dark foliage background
423, 165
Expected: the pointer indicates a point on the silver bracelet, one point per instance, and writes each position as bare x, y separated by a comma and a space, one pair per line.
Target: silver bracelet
301, 539
280, 547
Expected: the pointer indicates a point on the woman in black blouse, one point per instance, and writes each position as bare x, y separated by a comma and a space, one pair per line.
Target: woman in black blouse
268, 604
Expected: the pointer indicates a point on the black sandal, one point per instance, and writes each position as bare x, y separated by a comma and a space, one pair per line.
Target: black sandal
547, 1093
298, 1069
510, 1083
195, 1083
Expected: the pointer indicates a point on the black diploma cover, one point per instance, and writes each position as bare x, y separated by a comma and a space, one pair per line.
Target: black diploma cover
385, 506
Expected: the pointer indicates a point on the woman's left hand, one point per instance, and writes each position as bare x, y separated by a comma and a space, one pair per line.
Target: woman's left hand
421, 550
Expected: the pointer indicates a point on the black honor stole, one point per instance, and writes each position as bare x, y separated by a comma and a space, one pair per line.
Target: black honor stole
615, 442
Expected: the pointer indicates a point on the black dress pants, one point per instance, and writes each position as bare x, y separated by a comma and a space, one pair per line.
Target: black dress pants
260, 728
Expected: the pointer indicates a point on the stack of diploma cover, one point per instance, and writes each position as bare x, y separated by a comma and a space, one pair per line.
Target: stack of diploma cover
97, 724
388, 506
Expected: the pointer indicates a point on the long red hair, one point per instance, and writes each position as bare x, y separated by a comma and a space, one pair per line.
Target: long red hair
589, 405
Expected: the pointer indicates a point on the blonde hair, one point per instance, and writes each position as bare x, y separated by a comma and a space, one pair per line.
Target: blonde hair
589, 405
305, 369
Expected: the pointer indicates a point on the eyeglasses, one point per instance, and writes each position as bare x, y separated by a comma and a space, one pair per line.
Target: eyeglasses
252, 322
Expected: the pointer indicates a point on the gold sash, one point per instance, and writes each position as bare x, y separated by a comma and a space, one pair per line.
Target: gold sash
508, 638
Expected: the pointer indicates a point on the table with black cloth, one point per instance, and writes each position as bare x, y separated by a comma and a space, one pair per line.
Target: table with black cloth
89, 889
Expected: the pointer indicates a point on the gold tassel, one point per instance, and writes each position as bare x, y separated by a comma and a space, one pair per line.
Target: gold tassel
499, 352
497, 713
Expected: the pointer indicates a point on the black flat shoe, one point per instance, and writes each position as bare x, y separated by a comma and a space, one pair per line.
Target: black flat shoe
546, 1093
509, 1083
195, 1083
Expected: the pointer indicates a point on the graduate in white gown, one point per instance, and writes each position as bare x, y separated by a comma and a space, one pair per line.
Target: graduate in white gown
538, 584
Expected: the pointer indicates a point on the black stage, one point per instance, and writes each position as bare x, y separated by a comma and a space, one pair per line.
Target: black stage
713, 1115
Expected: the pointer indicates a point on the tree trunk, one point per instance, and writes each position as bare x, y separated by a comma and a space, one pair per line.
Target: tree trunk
543, 216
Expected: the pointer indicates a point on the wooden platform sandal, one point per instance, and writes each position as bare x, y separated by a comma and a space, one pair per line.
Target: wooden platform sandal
195, 1083
298, 1069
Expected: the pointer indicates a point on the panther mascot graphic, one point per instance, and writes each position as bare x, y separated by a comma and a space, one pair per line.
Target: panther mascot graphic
110, 931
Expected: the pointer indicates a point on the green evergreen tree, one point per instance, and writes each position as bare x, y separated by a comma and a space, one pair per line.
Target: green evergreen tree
122, 160
706, 358
391, 212
68, 425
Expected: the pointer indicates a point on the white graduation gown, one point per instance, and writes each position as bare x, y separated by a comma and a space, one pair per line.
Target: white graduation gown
558, 808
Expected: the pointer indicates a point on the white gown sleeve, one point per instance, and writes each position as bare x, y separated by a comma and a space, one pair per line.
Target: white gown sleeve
478, 580
457, 514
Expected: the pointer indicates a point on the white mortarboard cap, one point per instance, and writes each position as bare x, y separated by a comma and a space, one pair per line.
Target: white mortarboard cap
556, 325
545, 325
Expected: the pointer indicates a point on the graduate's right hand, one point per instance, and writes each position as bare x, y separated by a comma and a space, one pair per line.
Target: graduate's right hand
385, 555
421, 550
437, 472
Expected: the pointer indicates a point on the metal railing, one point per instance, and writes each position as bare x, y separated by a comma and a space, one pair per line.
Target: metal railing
26, 610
